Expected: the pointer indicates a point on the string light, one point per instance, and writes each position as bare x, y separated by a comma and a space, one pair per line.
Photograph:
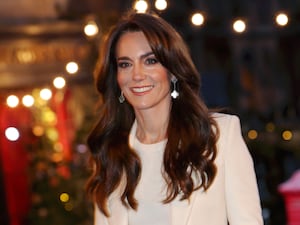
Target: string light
58, 147
59, 82
161, 4
45, 94
282, 19
12, 101
287, 135
197, 19
52, 134
252, 134
69, 206
270, 127
141, 6
12, 133
64, 197
91, 29
239, 26
38, 131
72, 67
28, 100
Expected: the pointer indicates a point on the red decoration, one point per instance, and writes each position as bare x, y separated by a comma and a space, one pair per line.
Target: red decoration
15, 164
291, 192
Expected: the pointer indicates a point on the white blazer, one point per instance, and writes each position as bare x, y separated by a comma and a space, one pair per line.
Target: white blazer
232, 198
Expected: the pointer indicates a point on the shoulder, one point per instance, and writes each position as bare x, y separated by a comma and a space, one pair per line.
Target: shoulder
229, 129
224, 121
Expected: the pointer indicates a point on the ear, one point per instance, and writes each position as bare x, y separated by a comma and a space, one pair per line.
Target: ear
173, 78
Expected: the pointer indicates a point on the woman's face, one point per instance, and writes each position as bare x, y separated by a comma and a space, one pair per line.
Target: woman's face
143, 80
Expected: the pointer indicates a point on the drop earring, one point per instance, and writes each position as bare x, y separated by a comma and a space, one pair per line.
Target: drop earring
174, 93
121, 97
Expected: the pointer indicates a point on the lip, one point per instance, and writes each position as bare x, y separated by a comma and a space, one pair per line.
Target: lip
142, 89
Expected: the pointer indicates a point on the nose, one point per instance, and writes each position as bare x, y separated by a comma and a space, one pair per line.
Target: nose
139, 72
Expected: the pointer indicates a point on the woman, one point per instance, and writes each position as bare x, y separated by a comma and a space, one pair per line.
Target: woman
160, 157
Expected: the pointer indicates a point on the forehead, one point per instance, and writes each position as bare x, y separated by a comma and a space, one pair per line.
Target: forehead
132, 41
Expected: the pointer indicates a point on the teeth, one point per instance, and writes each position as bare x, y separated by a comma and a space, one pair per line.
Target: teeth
142, 89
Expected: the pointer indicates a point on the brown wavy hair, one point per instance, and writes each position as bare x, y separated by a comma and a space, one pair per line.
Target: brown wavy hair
192, 132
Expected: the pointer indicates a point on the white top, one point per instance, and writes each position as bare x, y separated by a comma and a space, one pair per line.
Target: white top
151, 189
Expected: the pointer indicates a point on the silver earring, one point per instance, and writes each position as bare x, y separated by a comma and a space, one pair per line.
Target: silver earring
174, 93
121, 97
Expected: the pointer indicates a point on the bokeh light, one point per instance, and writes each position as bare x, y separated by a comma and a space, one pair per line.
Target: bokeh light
287, 135
197, 19
28, 100
91, 29
46, 94
12, 133
161, 4
12, 101
38, 130
72, 67
282, 19
270, 127
59, 82
64, 197
239, 26
141, 6
252, 134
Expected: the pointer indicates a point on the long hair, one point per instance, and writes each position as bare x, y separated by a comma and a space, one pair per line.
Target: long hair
192, 133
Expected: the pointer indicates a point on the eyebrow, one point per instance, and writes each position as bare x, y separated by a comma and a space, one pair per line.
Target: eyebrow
142, 56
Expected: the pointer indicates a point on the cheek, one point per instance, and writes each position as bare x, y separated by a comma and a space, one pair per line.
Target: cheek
121, 79
164, 77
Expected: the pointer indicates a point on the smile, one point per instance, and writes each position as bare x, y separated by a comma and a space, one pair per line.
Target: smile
142, 89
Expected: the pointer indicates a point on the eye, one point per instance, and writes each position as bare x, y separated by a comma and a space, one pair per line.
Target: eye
123, 64
151, 60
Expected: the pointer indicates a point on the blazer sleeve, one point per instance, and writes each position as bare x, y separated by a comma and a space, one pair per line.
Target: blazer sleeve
241, 191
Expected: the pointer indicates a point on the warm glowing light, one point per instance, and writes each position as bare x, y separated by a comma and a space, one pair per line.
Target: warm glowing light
64, 197
141, 6
52, 134
49, 117
91, 29
25, 56
161, 4
28, 100
12, 101
58, 147
252, 134
287, 135
270, 127
282, 19
197, 19
12, 133
239, 26
59, 82
72, 67
57, 157
45, 94
38, 131
69, 206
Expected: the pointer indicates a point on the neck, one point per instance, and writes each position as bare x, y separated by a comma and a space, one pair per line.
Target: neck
152, 127
151, 135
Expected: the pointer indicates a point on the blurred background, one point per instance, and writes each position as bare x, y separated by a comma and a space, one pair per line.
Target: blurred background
248, 54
